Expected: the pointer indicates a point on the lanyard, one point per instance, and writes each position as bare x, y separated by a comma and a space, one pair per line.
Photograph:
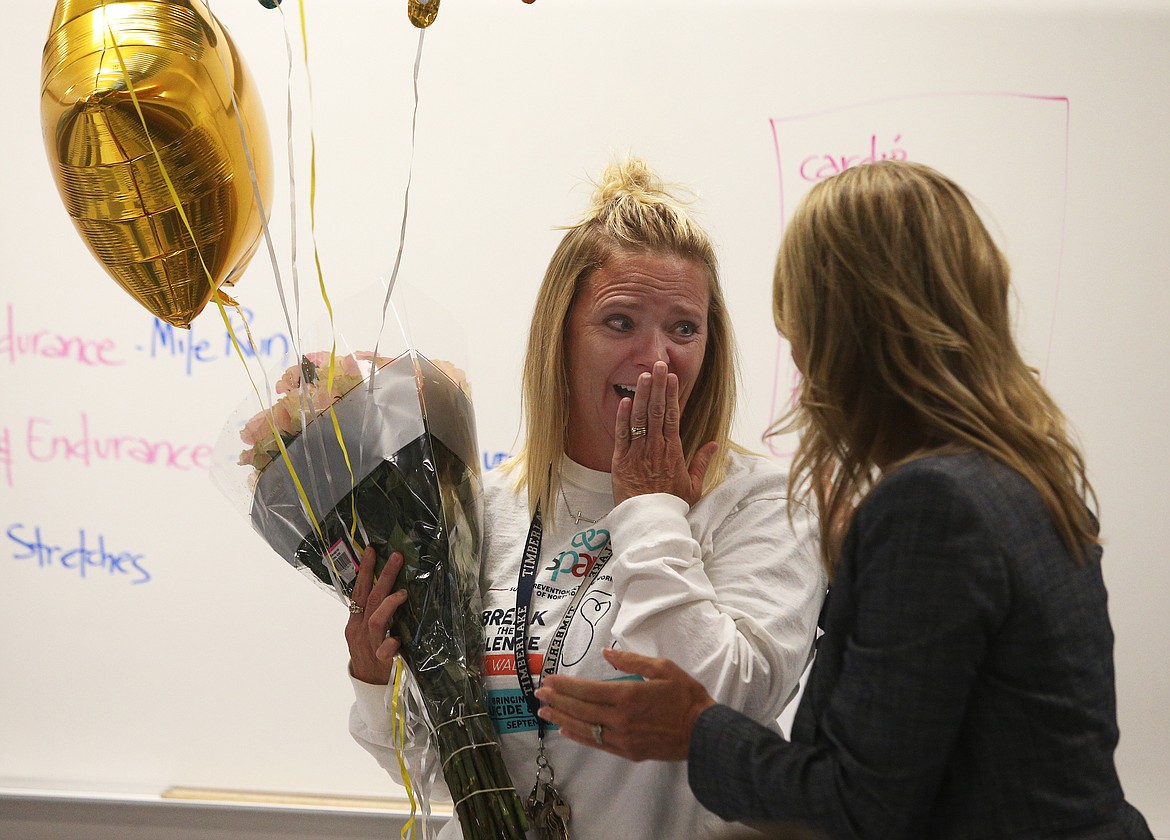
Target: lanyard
525, 583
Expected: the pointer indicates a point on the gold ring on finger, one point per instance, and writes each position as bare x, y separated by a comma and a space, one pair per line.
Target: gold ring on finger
355, 608
637, 432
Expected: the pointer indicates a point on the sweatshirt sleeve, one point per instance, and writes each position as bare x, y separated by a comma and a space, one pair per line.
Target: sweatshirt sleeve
370, 725
736, 607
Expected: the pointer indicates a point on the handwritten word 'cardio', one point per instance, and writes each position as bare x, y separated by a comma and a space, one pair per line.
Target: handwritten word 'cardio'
819, 167
45, 445
82, 557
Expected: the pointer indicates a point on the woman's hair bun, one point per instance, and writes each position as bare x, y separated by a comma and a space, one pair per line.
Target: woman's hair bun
628, 178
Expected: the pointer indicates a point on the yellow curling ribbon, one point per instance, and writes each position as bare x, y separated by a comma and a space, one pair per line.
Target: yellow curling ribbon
398, 737
321, 280
219, 297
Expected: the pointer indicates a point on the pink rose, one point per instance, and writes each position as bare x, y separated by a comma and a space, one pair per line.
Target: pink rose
286, 420
320, 358
348, 366
256, 429
291, 380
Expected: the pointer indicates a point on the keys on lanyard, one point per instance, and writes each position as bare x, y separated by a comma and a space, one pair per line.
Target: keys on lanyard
547, 810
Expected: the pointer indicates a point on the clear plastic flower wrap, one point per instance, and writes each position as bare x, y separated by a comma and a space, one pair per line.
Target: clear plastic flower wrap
357, 450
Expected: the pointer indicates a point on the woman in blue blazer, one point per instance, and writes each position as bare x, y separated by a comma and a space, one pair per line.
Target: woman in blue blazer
964, 686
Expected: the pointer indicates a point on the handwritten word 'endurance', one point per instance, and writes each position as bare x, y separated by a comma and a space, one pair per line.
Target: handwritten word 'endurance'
46, 344
45, 444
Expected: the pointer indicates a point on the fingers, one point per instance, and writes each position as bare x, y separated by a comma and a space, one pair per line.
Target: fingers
640, 409
656, 415
378, 625
576, 705
380, 608
629, 662
561, 698
370, 657
581, 732
621, 433
590, 692
650, 399
648, 455
385, 582
698, 469
388, 575
672, 415
643, 719
365, 580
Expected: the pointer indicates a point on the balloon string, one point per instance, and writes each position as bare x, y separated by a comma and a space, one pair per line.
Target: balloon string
301, 494
398, 737
397, 714
405, 199
307, 405
317, 262
217, 295
292, 179
294, 336
313, 170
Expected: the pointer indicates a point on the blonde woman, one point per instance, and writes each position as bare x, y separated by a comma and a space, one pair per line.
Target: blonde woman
964, 684
629, 519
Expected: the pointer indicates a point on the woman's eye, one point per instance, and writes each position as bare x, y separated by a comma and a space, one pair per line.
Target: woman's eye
620, 322
687, 329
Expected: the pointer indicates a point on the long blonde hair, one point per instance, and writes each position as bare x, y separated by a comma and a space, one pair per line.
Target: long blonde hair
895, 299
632, 211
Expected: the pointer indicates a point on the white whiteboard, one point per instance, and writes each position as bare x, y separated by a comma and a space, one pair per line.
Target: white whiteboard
226, 669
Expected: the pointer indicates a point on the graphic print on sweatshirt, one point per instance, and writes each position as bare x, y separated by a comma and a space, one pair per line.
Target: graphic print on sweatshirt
560, 574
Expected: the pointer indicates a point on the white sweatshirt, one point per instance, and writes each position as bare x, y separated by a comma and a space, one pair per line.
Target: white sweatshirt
729, 590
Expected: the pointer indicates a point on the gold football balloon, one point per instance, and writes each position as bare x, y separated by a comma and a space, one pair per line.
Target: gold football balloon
422, 13
139, 108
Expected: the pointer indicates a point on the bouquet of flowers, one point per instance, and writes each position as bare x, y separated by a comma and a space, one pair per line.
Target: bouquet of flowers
359, 451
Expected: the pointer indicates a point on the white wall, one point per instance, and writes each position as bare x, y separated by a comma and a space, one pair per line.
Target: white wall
226, 670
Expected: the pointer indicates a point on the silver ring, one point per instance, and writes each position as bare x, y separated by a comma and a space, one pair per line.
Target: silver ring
637, 432
355, 608
598, 734
389, 633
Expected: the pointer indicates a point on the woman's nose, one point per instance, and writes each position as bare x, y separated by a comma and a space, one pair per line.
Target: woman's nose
655, 347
